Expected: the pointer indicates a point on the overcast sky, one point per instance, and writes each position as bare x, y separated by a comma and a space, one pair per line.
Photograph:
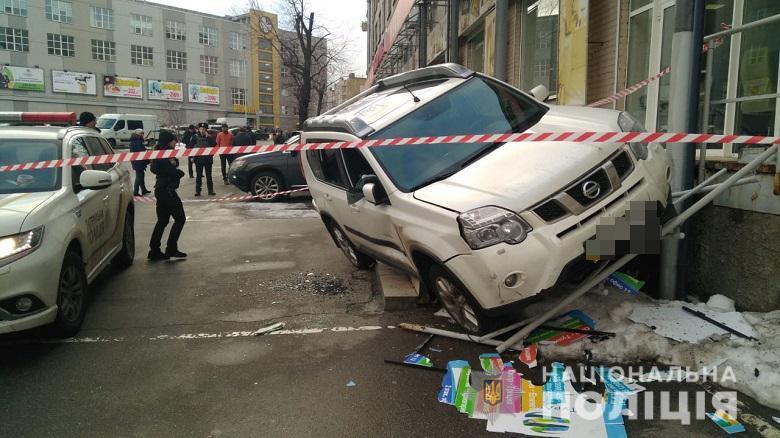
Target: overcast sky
342, 17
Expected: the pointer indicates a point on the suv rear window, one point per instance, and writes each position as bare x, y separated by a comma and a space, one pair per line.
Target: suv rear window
478, 106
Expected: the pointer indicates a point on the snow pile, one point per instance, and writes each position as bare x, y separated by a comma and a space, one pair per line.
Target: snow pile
638, 342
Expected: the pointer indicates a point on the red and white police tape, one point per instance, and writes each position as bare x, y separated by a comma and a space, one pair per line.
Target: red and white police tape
234, 198
576, 137
630, 90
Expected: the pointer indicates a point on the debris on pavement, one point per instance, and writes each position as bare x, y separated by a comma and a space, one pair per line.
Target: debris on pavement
717, 323
311, 282
721, 302
418, 359
419, 367
351, 383
726, 422
625, 282
528, 355
269, 329
575, 319
672, 321
777, 419
443, 313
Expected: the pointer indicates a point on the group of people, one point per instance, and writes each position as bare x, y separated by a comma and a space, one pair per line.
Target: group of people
202, 138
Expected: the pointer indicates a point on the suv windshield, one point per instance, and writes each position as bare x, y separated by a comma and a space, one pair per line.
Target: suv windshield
26, 151
104, 123
478, 106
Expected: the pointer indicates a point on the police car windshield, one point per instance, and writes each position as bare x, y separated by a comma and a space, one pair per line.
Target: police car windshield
104, 123
26, 151
478, 106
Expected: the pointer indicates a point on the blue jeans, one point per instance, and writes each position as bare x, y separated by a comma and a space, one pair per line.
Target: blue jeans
139, 187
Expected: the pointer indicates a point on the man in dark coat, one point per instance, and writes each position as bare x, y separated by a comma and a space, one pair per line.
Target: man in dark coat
186, 138
139, 166
203, 163
168, 202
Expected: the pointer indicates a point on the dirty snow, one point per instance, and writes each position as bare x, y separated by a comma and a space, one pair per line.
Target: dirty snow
639, 343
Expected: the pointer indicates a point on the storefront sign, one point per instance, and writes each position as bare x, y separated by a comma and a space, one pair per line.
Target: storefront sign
203, 94
73, 82
115, 86
161, 90
21, 78
573, 52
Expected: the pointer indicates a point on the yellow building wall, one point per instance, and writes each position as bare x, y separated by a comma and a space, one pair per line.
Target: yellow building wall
257, 33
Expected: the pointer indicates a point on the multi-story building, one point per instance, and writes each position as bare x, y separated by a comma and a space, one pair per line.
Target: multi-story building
584, 50
127, 56
344, 89
290, 81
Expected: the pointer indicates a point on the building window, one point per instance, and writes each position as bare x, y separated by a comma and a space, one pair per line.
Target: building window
141, 55
15, 7
541, 24
59, 10
104, 50
237, 68
175, 30
14, 39
237, 41
141, 24
266, 56
60, 45
267, 67
266, 77
176, 60
265, 44
238, 96
266, 98
208, 64
207, 36
102, 18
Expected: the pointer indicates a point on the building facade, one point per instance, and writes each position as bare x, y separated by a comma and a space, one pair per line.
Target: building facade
127, 56
585, 50
344, 89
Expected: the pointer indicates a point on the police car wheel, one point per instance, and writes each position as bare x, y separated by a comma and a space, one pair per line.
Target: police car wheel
125, 256
71, 296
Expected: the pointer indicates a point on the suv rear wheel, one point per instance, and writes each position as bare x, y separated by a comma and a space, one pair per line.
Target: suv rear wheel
452, 295
71, 296
265, 185
357, 258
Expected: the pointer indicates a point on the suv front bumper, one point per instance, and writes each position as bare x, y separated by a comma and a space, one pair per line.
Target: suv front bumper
539, 261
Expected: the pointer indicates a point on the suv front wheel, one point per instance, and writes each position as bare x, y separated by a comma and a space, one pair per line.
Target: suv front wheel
452, 295
357, 258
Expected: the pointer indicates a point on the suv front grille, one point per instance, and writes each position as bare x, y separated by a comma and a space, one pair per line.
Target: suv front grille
550, 211
623, 164
604, 188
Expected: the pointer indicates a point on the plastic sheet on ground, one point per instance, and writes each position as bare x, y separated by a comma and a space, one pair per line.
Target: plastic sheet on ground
671, 321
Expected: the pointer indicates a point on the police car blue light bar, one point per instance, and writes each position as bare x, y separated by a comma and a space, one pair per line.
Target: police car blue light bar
59, 118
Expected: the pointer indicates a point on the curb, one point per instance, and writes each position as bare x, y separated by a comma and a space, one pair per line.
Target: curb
400, 291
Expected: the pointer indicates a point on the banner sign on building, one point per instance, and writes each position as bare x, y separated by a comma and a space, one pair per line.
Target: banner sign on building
116, 86
203, 94
21, 78
73, 82
161, 90
573, 52
400, 13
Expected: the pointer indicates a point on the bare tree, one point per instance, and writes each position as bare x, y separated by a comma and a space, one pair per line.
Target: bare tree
309, 51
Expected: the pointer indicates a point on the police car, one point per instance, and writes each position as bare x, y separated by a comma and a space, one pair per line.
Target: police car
60, 227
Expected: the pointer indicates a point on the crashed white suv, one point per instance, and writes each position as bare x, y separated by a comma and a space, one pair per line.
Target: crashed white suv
484, 226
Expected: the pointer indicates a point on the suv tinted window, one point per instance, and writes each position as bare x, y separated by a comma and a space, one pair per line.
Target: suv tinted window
356, 165
478, 106
326, 167
96, 148
134, 124
78, 148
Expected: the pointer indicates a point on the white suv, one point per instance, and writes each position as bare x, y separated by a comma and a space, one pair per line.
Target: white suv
59, 228
484, 226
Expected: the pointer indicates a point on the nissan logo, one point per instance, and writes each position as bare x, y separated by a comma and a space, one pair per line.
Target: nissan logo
591, 189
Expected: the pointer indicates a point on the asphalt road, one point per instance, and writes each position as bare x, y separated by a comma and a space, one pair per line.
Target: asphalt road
166, 349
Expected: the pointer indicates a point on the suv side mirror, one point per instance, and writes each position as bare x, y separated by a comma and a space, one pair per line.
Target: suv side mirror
94, 179
368, 188
369, 192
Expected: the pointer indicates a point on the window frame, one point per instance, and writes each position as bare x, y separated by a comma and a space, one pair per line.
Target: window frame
54, 39
175, 30
238, 96
101, 18
18, 37
237, 68
238, 41
141, 25
209, 65
103, 50
16, 7
63, 15
175, 60
208, 36
316, 155
138, 52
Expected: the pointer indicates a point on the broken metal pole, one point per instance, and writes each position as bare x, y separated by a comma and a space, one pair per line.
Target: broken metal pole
688, 193
508, 328
455, 335
711, 187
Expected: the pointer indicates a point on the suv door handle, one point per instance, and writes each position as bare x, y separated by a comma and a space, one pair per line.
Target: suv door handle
326, 196
106, 198
355, 208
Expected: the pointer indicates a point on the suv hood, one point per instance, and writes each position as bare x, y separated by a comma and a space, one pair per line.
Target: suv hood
517, 176
15, 207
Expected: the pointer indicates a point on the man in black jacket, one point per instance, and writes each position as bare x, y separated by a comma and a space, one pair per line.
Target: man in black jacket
203, 163
168, 202
186, 138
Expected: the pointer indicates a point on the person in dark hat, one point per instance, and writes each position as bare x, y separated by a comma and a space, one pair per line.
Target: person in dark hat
168, 202
186, 138
87, 120
203, 163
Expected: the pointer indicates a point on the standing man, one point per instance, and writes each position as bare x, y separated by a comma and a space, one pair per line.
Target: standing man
186, 138
203, 163
88, 120
168, 202
225, 139
139, 166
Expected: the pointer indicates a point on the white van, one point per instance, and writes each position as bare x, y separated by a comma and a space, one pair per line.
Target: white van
117, 128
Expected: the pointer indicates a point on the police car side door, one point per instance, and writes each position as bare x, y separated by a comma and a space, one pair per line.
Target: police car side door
91, 210
99, 146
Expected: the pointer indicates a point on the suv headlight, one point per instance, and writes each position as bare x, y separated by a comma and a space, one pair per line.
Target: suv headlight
629, 124
19, 245
488, 226
238, 164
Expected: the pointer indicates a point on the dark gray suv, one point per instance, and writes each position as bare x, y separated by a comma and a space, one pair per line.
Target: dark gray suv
266, 174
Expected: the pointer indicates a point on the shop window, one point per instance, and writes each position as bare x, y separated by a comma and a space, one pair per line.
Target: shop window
638, 62
665, 83
540, 60
476, 52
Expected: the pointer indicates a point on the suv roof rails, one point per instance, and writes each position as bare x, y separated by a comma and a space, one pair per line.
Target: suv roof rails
439, 71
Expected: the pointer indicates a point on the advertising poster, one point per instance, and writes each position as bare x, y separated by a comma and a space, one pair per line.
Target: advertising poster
203, 94
161, 90
573, 52
116, 86
73, 82
21, 78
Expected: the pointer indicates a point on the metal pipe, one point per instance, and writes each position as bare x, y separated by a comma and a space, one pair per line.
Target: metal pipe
453, 14
688, 193
722, 187
743, 28
455, 335
706, 113
500, 39
422, 35
508, 328
709, 188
